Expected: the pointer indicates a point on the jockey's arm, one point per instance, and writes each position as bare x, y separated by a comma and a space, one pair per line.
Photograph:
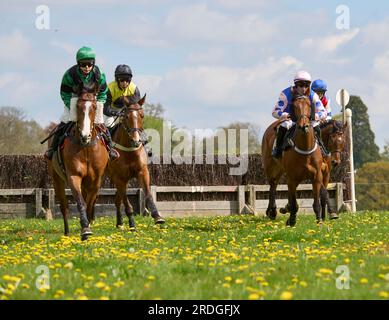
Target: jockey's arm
329, 111
66, 90
103, 89
279, 108
320, 111
109, 111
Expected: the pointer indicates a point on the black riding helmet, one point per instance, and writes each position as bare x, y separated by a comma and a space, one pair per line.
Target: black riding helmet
123, 71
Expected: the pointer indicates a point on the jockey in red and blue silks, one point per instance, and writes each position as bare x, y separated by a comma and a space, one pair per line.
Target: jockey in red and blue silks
302, 83
320, 87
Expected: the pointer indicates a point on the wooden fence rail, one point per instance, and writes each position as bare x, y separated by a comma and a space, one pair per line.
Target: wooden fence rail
171, 201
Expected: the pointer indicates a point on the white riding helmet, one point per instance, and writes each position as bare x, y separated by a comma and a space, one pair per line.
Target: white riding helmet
302, 76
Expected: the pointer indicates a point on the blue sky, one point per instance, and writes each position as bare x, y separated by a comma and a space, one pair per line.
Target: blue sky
209, 63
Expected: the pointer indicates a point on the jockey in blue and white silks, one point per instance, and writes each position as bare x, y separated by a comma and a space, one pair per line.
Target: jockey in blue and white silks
320, 87
281, 110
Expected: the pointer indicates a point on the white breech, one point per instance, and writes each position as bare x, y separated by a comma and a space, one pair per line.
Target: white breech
70, 114
110, 121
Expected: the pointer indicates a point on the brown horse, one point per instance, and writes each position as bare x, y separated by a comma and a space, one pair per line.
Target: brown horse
333, 133
303, 161
132, 162
85, 159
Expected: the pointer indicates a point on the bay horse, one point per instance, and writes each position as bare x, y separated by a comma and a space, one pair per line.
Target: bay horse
132, 162
303, 161
334, 139
85, 159
333, 135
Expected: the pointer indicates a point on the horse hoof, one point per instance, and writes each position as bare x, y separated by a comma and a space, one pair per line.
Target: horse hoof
272, 213
85, 233
291, 222
159, 220
319, 223
334, 216
283, 211
132, 229
120, 226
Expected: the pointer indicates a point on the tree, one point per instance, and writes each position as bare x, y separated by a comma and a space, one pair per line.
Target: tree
385, 153
365, 149
18, 135
372, 186
254, 145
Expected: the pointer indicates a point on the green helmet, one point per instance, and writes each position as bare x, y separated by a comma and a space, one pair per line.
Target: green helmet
85, 53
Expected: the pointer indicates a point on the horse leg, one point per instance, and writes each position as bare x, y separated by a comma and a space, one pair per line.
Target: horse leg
118, 202
91, 198
323, 202
144, 181
75, 186
271, 210
292, 202
59, 187
317, 187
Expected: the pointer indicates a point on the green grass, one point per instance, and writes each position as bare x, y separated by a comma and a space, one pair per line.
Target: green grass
235, 257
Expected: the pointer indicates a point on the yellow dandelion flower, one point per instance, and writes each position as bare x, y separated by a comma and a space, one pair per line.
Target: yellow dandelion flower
364, 281
286, 295
383, 294
103, 275
104, 298
254, 296
238, 281
68, 265
152, 278
325, 271
226, 285
100, 285
303, 284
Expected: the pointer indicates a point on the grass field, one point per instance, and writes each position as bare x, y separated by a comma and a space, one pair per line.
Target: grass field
235, 257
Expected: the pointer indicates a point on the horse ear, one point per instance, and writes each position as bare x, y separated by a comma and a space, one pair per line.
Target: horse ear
142, 101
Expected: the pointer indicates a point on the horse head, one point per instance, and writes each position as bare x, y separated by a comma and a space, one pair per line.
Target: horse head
86, 111
301, 112
336, 141
132, 119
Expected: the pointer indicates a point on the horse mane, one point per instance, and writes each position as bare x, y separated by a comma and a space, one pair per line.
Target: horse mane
336, 124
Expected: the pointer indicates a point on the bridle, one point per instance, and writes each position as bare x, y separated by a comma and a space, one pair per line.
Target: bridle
134, 145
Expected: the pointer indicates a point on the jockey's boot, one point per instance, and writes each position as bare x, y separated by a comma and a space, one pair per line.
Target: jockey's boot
113, 154
277, 151
321, 144
56, 140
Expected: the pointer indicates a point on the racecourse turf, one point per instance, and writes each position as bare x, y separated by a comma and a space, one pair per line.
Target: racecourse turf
234, 257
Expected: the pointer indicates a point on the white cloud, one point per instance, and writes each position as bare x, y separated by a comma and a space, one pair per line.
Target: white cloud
198, 23
218, 95
329, 44
376, 34
14, 48
212, 55
67, 47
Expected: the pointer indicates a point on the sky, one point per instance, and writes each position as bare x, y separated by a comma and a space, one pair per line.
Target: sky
208, 63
